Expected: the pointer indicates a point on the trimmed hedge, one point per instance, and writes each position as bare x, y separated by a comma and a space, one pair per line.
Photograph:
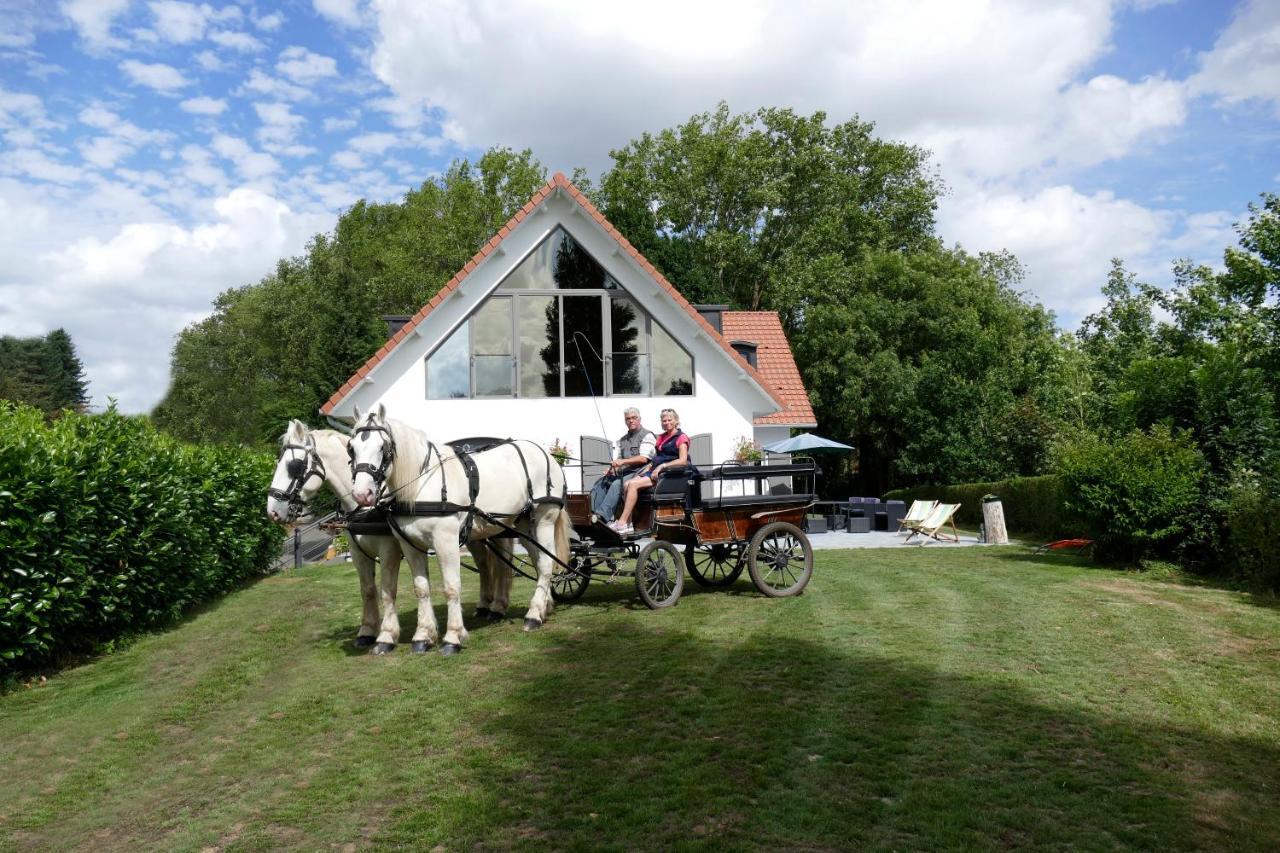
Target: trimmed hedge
108, 527
1033, 506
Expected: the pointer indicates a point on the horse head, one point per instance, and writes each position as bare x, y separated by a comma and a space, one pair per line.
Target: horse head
299, 473
372, 451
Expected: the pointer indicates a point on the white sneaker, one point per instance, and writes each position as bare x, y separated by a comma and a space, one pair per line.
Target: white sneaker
622, 529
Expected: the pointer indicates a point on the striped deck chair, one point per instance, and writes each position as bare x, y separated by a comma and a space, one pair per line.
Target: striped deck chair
941, 516
918, 512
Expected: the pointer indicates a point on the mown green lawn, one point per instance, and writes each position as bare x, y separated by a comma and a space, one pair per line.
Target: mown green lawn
909, 699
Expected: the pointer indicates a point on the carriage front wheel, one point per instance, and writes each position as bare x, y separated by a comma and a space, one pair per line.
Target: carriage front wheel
780, 559
659, 574
568, 584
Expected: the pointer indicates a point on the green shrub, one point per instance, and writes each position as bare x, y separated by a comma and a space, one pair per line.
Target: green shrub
1141, 495
107, 526
1033, 506
1253, 516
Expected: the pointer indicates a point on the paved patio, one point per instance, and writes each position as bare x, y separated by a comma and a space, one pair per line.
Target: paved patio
840, 539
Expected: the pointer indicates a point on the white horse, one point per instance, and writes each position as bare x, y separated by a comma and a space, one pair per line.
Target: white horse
518, 484
310, 459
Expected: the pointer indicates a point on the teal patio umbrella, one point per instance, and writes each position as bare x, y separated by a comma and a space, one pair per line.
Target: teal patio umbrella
805, 441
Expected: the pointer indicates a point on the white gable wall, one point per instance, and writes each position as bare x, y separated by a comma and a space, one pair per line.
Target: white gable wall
725, 399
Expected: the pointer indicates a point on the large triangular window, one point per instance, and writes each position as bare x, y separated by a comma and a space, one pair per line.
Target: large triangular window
559, 325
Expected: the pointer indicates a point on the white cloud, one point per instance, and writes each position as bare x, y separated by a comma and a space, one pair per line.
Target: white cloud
236, 40
1065, 239
93, 20
210, 61
980, 81
373, 143
269, 23
22, 110
105, 151
179, 22
204, 106
279, 124
36, 164
347, 160
344, 12
302, 66
1245, 60
332, 125
124, 288
163, 78
265, 84
252, 165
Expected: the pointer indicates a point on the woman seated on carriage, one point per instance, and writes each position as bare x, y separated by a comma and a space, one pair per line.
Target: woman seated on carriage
671, 453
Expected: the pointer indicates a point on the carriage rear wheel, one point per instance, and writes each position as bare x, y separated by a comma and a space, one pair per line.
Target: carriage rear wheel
780, 560
714, 565
569, 584
659, 574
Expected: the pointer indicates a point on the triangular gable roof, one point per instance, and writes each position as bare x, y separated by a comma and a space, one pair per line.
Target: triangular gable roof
775, 363
559, 181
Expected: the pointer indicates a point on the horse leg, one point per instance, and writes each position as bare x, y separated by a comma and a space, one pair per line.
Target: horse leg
366, 571
427, 633
544, 531
485, 565
446, 541
502, 578
388, 579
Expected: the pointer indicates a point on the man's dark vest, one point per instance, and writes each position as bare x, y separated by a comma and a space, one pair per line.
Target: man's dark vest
629, 445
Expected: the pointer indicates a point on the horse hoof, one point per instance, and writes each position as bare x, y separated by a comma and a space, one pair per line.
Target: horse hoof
483, 613
363, 642
450, 649
531, 625
420, 646
495, 616
383, 648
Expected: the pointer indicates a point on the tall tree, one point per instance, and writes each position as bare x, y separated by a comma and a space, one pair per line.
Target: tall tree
65, 373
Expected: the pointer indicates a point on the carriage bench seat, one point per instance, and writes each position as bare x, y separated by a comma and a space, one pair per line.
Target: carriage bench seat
730, 501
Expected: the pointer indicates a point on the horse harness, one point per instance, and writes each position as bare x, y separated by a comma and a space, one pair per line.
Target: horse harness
299, 471
462, 451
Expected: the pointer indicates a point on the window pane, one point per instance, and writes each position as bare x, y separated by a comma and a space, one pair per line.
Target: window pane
626, 326
491, 328
672, 366
493, 375
630, 373
583, 346
448, 368
538, 326
559, 263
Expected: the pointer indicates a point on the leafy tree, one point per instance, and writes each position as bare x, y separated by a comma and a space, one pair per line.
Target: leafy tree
65, 373
926, 358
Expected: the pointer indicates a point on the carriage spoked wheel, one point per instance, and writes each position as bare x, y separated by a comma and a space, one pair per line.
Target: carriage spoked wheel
780, 560
569, 584
714, 565
659, 574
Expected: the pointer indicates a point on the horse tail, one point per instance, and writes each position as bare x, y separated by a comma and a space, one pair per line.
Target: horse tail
564, 523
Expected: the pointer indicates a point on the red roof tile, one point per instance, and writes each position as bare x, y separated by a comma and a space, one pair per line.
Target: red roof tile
775, 363
561, 181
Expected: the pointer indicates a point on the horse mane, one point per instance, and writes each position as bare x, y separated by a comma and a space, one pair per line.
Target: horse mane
411, 449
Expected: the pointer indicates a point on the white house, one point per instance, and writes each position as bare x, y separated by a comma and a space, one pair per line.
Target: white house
557, 325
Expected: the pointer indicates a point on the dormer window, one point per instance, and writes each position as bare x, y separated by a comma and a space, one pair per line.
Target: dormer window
746, 349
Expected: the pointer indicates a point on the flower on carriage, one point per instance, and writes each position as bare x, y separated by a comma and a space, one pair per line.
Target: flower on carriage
559, 452
746, 450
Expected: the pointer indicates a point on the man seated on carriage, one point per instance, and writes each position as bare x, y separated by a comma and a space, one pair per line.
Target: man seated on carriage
635, 449
671, 452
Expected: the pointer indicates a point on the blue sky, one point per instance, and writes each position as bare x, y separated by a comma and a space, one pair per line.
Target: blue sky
155, 153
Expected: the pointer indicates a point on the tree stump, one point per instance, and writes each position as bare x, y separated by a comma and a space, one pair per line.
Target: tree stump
993, 519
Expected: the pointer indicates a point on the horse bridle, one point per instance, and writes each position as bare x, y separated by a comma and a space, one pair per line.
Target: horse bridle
299, 471
378, 472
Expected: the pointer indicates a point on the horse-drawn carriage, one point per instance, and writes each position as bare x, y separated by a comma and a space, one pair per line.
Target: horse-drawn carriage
689, 523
